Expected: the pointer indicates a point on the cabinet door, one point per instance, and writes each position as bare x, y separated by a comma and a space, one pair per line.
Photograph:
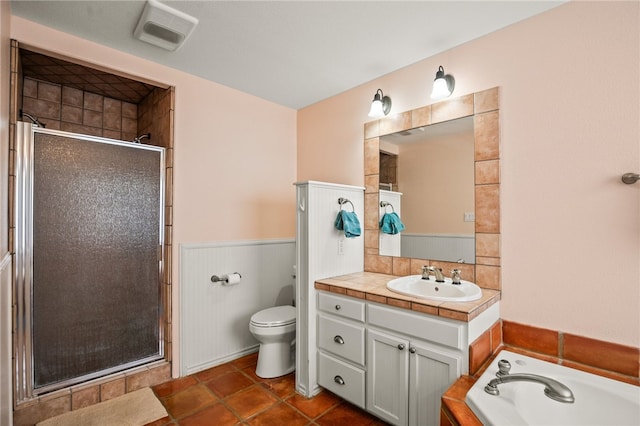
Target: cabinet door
387, 377
431, 372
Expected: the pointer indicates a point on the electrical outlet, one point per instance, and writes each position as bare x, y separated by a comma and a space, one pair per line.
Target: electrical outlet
470, 217
340, 246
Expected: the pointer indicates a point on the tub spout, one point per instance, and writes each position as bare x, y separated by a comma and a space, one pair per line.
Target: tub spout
552, 388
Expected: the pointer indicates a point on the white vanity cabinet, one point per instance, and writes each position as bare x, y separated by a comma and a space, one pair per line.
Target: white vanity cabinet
395, 363
411, 360
406, 378
341, 346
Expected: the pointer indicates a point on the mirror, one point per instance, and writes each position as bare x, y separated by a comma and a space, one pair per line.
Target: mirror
484, 109
427, 178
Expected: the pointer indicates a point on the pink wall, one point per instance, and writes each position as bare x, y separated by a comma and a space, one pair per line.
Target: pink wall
226, 142
235, 154
570, 108
569, 115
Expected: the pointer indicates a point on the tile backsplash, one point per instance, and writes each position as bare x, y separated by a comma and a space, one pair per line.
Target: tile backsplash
607, 359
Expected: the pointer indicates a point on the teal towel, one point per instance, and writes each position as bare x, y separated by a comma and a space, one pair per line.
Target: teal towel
391, 223
349, 223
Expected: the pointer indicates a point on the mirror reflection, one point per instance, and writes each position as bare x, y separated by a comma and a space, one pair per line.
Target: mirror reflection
427, 179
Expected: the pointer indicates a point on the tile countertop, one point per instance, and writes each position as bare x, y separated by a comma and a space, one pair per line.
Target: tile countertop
372, 286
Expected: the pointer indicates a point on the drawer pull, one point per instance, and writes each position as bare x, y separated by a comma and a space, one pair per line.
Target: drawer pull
339, 380
339, 340
338, 307
412, 350
401, 346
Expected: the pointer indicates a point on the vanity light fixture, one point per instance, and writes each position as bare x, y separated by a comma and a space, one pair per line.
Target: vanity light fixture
380, 106
443, 84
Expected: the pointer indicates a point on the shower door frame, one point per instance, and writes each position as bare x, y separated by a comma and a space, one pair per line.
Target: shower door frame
24, 388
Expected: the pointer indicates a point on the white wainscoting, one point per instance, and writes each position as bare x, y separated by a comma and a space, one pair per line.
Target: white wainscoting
214, 319
323, 252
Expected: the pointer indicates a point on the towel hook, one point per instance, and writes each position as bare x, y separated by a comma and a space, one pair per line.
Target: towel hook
630, 178
343, 201
386, 204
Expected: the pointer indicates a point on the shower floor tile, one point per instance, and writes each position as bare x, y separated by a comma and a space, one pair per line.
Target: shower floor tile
232, 394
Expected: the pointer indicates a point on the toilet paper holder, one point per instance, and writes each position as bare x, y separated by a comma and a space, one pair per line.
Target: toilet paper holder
223, 278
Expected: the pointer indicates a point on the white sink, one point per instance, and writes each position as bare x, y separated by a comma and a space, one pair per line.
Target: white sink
415, 286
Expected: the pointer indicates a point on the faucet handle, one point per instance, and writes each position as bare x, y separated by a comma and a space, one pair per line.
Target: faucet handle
504, 367
455, 276
425, 272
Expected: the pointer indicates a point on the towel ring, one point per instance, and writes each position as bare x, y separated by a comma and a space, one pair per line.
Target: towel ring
343, 201
386, 204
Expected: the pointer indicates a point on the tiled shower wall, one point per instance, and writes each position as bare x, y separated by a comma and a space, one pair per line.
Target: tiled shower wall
73, 110
63, 108
155, 116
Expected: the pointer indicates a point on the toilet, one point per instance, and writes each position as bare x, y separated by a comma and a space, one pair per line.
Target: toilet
275, 329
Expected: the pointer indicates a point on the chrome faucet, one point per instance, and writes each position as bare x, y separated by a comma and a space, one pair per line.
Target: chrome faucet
552, 388
428, 270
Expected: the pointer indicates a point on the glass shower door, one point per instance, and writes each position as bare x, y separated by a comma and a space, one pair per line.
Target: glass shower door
96, 260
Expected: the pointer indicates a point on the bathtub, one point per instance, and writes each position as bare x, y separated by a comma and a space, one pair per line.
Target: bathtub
598, 400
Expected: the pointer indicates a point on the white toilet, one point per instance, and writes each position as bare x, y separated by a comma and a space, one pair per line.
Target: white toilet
275, 329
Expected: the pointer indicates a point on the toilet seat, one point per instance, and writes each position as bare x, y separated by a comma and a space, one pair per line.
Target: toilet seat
274, 317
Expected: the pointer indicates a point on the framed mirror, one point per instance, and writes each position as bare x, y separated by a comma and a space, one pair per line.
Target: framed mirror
480, 212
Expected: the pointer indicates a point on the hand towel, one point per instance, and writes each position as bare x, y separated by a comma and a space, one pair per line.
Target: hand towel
349, 223
391, 223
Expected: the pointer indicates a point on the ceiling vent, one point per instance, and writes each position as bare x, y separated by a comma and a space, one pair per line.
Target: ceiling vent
164, 26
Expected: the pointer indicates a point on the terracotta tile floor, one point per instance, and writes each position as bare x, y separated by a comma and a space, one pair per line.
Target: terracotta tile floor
231, 394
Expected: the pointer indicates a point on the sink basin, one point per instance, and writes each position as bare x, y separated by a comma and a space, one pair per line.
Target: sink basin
415, 286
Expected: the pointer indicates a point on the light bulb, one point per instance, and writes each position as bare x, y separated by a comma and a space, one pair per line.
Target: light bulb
376, 108
440, 89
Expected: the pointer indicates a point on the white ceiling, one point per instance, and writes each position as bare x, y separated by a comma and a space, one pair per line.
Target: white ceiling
293, 53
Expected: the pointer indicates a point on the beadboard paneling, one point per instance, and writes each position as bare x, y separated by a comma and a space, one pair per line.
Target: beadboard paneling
214, 319
323, 252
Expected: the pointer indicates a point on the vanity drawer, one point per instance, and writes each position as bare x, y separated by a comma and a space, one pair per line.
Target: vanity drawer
435, 329
342, 306
342, 379
342, 339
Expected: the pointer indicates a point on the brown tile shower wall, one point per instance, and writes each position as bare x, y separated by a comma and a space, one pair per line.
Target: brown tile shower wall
73, 110
90, 393
155, 116
76, 111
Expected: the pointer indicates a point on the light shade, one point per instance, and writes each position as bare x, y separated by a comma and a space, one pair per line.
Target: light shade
380, 106
164, 26
443, 85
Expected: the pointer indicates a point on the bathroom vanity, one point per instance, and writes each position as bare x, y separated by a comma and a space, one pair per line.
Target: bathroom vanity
382, 352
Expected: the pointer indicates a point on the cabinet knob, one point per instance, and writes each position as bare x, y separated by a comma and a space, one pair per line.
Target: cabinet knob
338, 307
401, 346
339, 380
412, 350
339, 340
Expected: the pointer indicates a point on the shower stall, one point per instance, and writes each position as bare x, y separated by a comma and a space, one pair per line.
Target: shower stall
89, 237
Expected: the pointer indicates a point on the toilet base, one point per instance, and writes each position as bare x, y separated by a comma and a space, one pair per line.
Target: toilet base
275, 360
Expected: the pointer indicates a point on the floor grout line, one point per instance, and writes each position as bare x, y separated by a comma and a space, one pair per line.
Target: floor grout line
242, 366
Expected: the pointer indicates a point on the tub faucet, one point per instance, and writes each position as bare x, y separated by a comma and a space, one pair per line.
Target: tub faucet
552, 388
428, 270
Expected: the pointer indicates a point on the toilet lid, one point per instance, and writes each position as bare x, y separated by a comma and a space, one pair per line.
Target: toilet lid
273, 317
